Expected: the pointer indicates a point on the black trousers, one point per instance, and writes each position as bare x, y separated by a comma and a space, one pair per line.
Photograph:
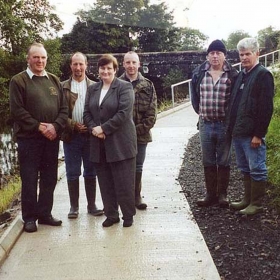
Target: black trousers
117, 186
38, 160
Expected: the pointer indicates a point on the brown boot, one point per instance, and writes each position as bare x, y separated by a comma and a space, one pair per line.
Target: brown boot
210, 173
139, 204
73, 188
90, 187
223, 181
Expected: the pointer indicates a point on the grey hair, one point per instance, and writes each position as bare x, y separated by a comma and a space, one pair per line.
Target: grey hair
248, 43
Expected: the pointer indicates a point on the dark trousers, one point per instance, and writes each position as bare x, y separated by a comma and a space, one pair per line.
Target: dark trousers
117, 186
38, 160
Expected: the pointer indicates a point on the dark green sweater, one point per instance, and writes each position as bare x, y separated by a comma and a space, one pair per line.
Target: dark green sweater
36, 100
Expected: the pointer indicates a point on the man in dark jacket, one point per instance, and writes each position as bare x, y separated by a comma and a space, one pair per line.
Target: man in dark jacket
250, 111
210, 92
144, 116
39, 111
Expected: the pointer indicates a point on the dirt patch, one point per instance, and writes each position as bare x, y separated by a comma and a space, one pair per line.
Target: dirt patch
244, 248
9, 215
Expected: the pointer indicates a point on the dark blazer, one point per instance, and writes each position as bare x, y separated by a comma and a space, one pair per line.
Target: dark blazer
115, 117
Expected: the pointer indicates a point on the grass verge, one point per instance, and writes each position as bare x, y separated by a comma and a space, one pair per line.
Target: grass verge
8, 193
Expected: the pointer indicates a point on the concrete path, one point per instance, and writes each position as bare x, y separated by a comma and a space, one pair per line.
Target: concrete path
164, 242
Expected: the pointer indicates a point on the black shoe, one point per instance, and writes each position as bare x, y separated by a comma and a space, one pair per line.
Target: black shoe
30, 226
95, 211
128, 222
51, 221
73, 213
109, 222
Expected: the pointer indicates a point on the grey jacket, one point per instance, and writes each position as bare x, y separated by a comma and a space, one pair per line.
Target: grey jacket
115, 117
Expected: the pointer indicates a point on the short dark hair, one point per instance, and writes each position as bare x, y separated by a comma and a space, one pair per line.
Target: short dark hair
106, 59
85, 57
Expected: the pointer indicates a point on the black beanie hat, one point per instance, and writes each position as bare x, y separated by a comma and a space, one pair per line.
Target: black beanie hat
217, 45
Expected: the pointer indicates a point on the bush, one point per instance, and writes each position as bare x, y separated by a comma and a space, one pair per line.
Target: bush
9, 193
273, 147
180, 92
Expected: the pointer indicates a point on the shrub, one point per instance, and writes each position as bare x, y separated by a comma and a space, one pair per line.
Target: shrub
273, 147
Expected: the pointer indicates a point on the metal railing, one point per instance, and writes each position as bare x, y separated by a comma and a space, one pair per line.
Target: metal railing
266, 63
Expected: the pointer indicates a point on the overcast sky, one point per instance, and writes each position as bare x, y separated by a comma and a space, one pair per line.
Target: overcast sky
215, 18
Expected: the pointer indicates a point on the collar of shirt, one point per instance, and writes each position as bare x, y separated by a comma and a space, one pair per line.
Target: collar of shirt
31, 74
208, 66
246, 72
128, 79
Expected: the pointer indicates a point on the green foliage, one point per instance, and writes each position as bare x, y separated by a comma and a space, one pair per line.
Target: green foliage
26, 21
4, 103
175, 76
117, 26
54, 55
192, 39
164, 105
234, 38
156, 29
269, 38
273, 146
9, 193
96, 37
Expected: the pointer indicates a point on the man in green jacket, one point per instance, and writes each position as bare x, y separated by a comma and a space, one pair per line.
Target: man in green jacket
144, 116
39, 111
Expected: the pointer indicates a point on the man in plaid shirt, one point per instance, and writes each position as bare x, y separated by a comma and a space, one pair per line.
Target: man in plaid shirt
210, 91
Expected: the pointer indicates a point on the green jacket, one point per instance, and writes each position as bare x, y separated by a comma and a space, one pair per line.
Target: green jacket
36, 100
145, 107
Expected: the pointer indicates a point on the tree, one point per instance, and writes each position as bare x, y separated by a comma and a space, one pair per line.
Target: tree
52, 47
156, 31
192, 39
120, 25
234, 38
25, 21
269, 38
96, 37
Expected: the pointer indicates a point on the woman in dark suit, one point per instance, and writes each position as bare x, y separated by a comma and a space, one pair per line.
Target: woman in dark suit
108, 115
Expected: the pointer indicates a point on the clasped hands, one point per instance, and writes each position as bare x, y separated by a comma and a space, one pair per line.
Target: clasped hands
97, 131
48, 130
80, 128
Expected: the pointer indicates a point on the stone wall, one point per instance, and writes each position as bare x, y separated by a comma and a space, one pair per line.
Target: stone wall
155, 66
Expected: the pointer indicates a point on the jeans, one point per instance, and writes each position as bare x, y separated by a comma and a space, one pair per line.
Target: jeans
38, 159
215, 143
76, 152
140, 157
251, 160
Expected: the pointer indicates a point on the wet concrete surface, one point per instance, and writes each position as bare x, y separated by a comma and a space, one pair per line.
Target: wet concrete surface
164, 242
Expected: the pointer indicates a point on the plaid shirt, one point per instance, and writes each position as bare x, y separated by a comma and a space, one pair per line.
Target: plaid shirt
214, 98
